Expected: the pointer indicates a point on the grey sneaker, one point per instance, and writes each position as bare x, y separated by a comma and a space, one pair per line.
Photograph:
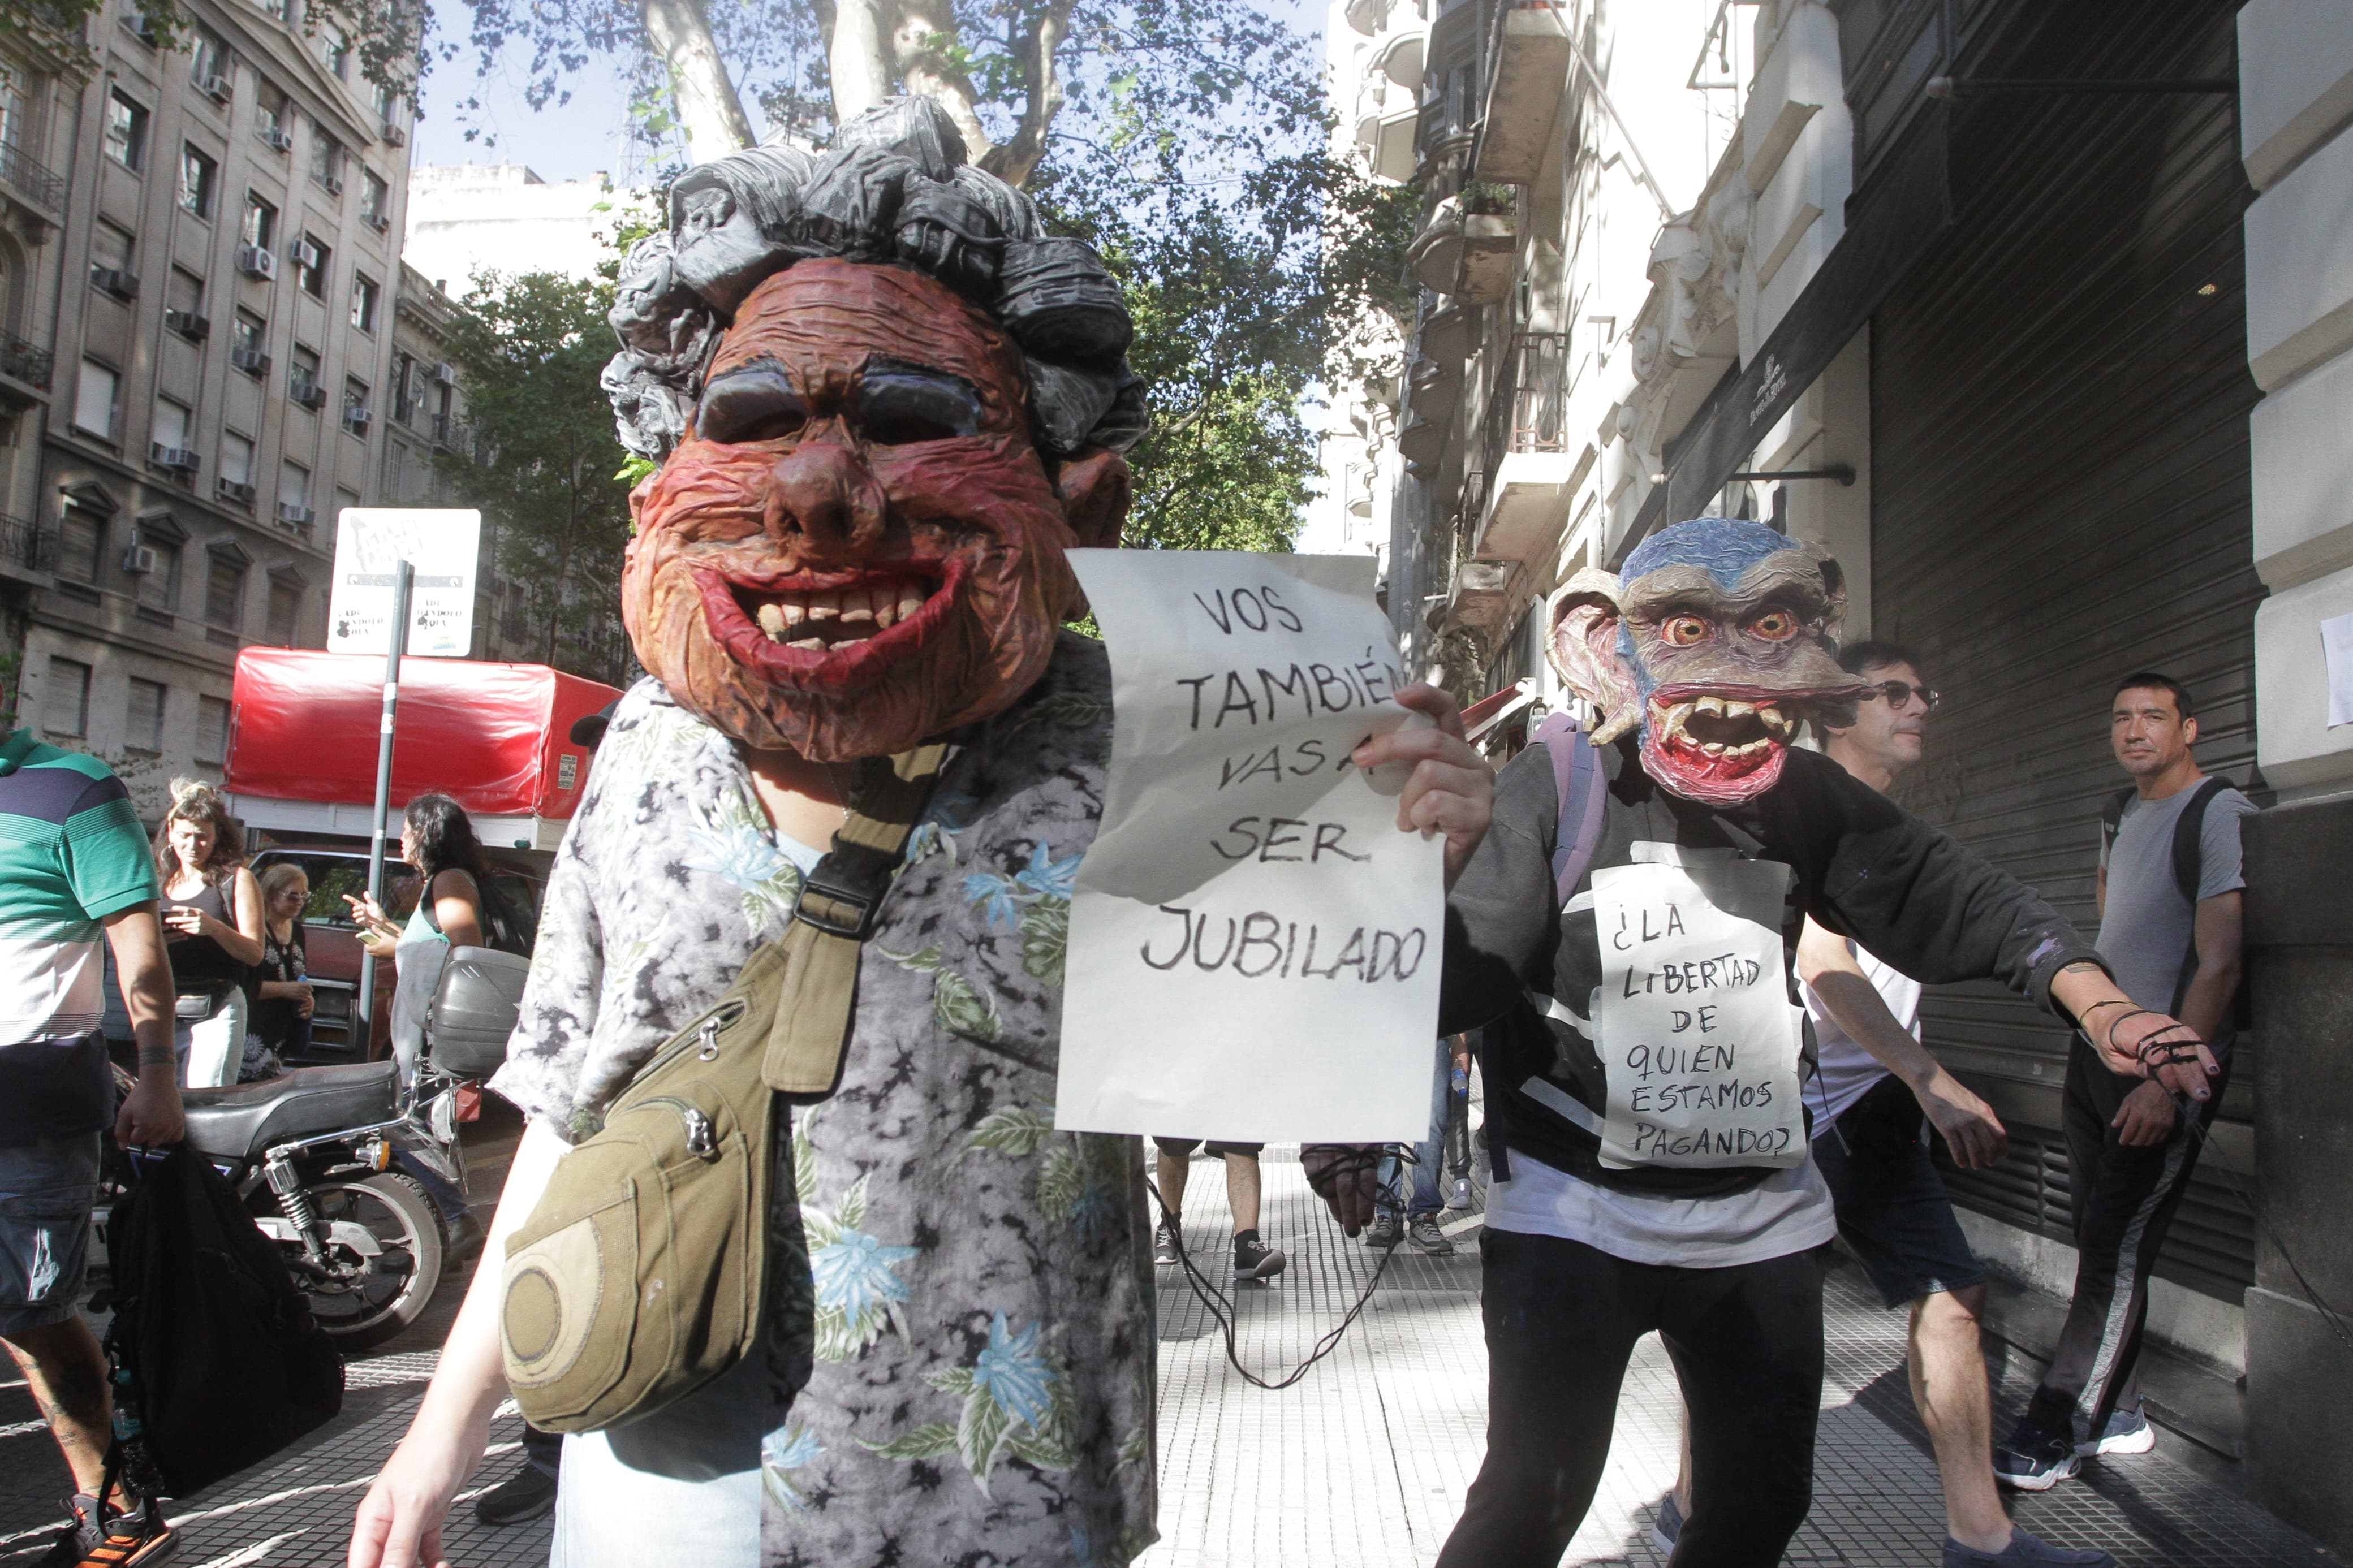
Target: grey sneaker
1164, 1243
1385, 1231
2024, 1551
2127, 1432
1430, 1239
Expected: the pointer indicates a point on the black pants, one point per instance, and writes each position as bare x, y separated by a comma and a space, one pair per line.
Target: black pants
1562, 1319
2124, 1200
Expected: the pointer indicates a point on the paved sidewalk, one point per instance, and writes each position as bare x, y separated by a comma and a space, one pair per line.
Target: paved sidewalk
1363, 1464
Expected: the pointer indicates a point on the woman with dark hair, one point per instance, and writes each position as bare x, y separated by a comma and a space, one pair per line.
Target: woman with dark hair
213, 923
437, 838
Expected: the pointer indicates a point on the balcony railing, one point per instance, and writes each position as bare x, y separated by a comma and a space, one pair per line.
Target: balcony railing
23, 362
31, 177
1529, 410
27, 544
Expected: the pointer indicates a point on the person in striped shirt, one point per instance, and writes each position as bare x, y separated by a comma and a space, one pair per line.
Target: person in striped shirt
74, 864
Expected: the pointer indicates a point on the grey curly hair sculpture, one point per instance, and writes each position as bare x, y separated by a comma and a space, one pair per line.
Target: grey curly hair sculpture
895, 187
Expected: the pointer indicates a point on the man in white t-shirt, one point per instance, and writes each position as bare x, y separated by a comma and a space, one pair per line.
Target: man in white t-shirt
1871, 1083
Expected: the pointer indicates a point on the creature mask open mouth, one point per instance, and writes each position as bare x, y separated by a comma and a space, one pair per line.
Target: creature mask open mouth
831, 632
1718, 746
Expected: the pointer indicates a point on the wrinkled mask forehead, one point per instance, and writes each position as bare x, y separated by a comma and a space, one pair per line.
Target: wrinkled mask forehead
1719, 566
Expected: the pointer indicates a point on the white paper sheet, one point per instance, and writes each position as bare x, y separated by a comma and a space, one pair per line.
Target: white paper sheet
1698, 1038
1254, 946
2337, 647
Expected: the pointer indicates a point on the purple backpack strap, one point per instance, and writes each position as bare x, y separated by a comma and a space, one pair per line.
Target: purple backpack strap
1576, 777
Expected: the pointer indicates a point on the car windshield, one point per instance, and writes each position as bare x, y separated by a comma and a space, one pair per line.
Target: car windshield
332, 875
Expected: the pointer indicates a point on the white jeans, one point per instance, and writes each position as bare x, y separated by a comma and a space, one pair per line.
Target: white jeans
680, 1486
211, 1051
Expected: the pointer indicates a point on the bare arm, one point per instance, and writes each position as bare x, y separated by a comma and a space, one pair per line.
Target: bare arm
2217, 935
2117, 1030
243, 942
151, 1115
399, 1522
1970, 1129
456, 911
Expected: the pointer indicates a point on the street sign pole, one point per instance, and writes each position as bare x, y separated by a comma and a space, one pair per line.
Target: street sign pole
364, 1002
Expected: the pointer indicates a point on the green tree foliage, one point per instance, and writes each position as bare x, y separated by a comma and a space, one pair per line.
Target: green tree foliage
529, 347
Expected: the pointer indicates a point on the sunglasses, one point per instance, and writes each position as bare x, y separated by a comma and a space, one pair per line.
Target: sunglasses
1899, 692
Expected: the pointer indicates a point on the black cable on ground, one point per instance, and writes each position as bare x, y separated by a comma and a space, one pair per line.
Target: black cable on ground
1221, 1306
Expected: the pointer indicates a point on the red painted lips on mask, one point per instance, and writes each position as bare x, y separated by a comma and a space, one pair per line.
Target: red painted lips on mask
874, 553
1719, 745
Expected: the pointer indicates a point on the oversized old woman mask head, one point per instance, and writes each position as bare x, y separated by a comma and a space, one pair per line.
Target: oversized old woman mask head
1716, 641
884, 407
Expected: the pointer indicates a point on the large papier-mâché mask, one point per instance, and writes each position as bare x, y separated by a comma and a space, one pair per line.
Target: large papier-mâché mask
859, 546
1716, 641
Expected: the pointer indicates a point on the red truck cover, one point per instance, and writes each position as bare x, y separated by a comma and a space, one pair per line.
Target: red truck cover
497, 737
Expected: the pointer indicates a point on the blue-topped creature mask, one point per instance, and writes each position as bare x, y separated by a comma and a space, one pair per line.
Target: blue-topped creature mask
1716, 640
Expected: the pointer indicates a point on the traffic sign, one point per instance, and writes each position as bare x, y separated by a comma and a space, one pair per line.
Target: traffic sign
443, 544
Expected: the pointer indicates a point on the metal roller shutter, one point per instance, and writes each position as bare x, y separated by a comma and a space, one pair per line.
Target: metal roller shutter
2060, 494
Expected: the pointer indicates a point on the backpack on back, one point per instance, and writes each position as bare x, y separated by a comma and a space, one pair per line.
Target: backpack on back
2188, 851
218, 1362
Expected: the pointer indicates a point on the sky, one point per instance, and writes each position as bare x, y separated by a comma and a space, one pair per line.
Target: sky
577, 140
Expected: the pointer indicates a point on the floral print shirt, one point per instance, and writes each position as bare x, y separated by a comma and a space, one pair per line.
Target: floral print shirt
961, 1344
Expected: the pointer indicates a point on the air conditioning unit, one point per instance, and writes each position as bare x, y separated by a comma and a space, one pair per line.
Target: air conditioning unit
139, 559
178, 458
303, 254
445, 374
115, 282
232, 490
393, 136
300, 516
255, 262
308, 393
279, 137
355, 420
380, 222
253, 362
188, 324
333, 184
215, 87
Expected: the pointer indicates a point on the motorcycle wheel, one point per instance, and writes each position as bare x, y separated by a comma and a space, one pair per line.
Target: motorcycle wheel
388, 1292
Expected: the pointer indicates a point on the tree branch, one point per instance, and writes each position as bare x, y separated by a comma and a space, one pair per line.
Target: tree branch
855, 57
927, 72
716, 122
1018, 157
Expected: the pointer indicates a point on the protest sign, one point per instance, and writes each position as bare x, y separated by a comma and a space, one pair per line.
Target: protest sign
441, 544
1254, 946
1698, 1038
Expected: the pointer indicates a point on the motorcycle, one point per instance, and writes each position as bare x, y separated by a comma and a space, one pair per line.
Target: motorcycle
325, 1157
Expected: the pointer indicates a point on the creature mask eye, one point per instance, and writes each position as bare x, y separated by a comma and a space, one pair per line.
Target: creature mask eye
752, 402
899, 404
1683, 631
1773, 626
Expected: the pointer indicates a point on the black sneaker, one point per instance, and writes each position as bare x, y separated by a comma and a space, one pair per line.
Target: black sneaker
2034, 1460
2024, 1551
1164, 1243
1385, 1231
110, 1538
528, 1494
1254, 1259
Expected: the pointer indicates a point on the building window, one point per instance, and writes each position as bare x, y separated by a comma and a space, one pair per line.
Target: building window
81, 545
223, 590
236, 459
285, 612
294, 487
183, 292
126, 132
209, 68
65, 703
212, 730
247, 334
173, 423
261, 228
355, 407
326, 159
273, 7
363, 297
335, 53
142, 721
344, 501
269, 116
159, 585
376, 199
314, 260
110, 249
94, 400
197, 174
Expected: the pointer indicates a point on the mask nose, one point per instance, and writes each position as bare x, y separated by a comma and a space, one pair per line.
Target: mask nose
823, 497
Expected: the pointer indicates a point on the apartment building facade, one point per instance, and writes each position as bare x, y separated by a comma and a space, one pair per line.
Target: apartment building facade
221, 348
2038, 319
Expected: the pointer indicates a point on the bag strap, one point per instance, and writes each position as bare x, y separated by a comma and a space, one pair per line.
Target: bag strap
834, 916
2112, 818
2190, 837
1577, 781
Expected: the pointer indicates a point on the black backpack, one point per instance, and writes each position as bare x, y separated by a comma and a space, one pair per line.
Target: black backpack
218, 1359
2188, 868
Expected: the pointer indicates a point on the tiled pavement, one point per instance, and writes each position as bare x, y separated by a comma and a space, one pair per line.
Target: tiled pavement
1361, 1464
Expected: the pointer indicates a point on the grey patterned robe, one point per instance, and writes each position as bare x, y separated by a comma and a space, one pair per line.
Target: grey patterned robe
961, 1342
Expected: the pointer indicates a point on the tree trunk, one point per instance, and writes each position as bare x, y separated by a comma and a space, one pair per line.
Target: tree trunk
858, 55
923, 27
716, 122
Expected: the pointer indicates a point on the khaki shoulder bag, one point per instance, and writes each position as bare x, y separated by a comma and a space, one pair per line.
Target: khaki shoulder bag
639, 1277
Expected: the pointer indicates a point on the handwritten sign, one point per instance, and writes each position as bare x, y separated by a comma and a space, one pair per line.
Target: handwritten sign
440, 543
1698, 1037
1254, 945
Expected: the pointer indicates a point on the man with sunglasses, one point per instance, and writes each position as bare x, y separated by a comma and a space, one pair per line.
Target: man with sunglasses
1873, 1082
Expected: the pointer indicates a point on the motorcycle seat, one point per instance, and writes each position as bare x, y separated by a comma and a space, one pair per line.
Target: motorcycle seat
243, 1120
